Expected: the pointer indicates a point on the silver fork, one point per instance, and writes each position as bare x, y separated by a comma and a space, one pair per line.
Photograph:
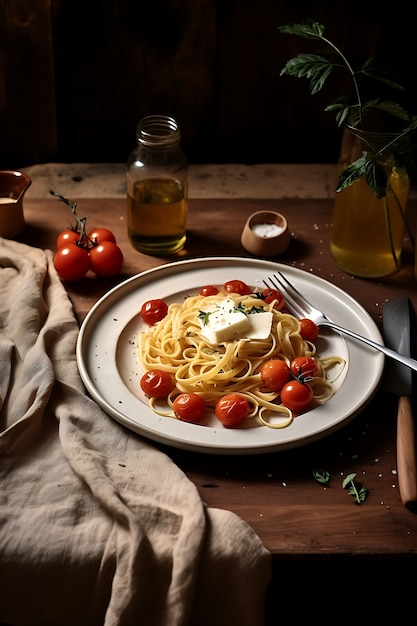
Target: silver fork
300, 307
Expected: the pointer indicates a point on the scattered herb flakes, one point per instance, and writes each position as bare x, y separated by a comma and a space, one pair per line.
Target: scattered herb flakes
204, 316
255, 309
322, 476
242, 308
356, 490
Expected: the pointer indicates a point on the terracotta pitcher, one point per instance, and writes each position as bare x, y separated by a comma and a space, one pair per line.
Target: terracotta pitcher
13, 186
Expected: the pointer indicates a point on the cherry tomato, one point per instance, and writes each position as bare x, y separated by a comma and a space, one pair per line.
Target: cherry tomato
189, 407
304, 366
232, 409
153, 311
157, 383
67, 236
297, 396
269, 295
71, 262
98, 235
274, 374
237, 286
309, 330
106, 259
208, 290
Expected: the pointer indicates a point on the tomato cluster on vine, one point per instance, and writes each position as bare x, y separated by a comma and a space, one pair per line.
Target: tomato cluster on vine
78, 251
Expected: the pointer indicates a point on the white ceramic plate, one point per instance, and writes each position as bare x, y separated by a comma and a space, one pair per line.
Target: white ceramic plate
107, 361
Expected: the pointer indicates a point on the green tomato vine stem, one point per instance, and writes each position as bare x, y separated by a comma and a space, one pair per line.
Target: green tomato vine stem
80, 222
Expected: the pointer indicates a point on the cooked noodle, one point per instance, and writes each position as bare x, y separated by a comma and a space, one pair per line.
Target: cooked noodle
176, 344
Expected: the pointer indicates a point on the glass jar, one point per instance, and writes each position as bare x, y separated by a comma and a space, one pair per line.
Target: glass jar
367, 231
157, 188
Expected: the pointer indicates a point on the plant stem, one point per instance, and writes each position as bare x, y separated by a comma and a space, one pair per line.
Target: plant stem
80, 221
389, 232
403, 215
351, 71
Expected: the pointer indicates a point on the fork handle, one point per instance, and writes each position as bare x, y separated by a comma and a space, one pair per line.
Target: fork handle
405, 360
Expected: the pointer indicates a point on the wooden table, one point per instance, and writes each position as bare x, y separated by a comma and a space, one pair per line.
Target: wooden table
297, 518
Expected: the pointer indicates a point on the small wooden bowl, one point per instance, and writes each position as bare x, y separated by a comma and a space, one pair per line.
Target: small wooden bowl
266, 234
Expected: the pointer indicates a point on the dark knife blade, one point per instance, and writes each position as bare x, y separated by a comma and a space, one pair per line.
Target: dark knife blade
398, 380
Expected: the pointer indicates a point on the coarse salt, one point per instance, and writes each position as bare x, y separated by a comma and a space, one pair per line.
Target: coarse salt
267, 230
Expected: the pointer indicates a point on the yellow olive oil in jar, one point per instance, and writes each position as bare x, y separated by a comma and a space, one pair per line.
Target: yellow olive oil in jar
367, 230
361, 243
157, 188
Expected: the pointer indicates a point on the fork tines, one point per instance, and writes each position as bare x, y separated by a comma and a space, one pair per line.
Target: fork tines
293, 297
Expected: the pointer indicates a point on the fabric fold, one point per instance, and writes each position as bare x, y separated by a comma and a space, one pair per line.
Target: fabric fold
98, 526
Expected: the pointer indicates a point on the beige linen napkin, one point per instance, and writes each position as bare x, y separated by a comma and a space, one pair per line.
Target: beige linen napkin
97, 526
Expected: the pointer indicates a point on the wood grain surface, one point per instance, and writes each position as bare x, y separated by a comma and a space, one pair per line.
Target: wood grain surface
297, 518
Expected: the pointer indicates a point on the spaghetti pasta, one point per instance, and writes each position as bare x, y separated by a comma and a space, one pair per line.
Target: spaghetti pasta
178, 345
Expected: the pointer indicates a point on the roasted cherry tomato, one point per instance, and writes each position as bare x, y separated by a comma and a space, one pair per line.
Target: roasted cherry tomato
309, 330
189, 407
106, 259
157, 383
274, 374
269, 295
232, 409
208, 290
153, 311
237, 286
67, 236
304, 366
98, 235
297, 396
71, 262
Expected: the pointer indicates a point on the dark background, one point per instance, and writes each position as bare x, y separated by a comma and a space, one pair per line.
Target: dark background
77, 75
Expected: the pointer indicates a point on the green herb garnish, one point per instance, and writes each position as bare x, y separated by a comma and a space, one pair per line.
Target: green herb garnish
357, 491
242, 308
204, 316
321, 476
237, 308
256, 309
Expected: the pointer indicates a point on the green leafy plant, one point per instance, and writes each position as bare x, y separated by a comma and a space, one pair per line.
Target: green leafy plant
317, 68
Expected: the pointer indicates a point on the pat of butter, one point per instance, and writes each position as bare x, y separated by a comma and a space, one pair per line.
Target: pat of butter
261, 324
226, 324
